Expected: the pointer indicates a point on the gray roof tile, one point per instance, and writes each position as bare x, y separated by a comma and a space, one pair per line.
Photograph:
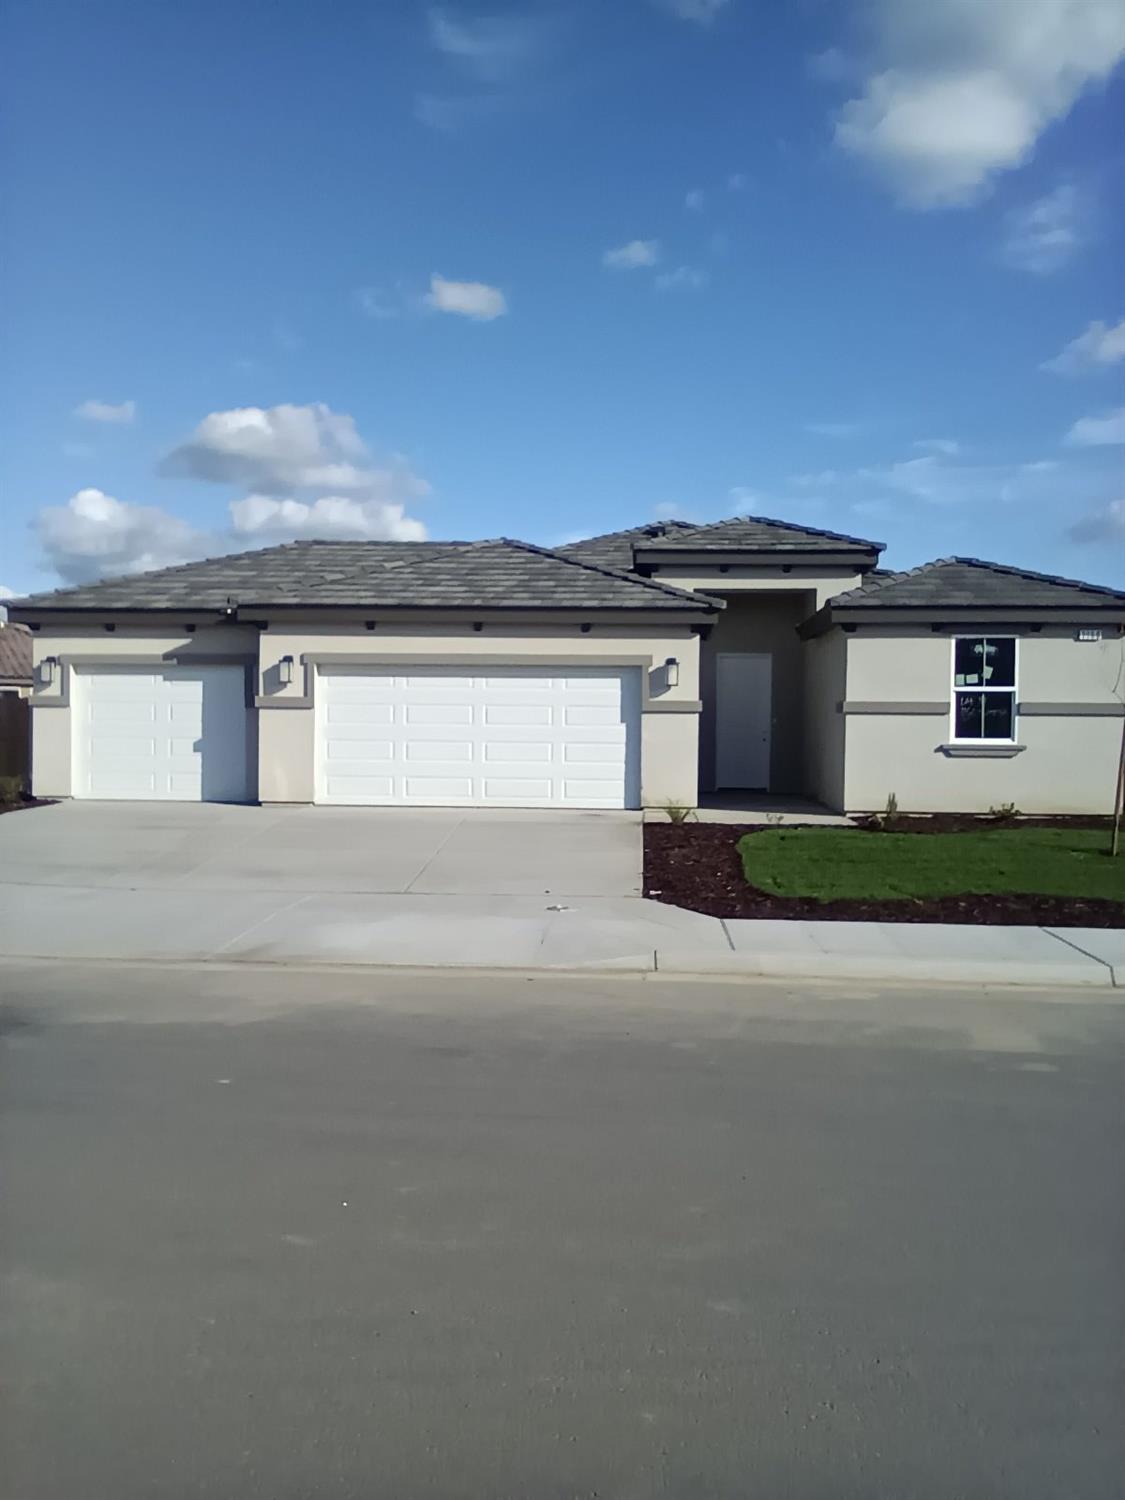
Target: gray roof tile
497, 574
969, 582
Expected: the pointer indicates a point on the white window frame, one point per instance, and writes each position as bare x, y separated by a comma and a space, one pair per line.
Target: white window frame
980, 635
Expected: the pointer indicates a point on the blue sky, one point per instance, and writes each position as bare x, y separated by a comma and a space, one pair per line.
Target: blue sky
364, 269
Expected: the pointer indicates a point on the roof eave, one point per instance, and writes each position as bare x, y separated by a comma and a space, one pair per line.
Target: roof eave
958, 615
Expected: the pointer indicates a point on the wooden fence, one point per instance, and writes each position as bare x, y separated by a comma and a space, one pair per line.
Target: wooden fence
15, 735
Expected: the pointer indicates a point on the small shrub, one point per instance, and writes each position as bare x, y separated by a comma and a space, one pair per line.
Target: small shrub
677, 813
11, 790
775, 819
886, 818
1004, 813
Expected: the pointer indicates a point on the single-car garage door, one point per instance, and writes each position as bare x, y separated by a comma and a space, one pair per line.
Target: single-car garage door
495, 737
167, 734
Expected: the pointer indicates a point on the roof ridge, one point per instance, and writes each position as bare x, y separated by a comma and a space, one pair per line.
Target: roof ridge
608, 572
655, 527
836, 536
995, 567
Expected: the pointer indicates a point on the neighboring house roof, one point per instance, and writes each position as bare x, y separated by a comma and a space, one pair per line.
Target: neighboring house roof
496, 574
970, 583
760, 534
15, 655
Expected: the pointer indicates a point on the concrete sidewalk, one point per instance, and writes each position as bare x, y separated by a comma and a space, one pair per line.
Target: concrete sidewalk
620, 934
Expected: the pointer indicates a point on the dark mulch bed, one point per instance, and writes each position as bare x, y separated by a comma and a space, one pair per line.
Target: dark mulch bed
696, 865
24, 803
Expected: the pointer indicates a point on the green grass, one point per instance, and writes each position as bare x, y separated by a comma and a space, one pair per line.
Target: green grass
828, 864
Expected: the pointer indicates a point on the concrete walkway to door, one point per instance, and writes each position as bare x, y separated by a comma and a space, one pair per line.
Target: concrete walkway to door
393, 850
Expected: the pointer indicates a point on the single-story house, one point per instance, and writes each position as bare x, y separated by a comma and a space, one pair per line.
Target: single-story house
640, 668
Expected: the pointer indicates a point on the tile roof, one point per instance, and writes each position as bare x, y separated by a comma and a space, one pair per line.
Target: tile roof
15, 654
737, 533
758, 534
969, 582
495, 574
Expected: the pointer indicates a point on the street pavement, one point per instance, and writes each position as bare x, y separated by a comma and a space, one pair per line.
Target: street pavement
291, 1233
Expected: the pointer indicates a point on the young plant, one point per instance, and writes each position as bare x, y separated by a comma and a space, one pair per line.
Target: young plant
1004, 813
678, 813
886, 818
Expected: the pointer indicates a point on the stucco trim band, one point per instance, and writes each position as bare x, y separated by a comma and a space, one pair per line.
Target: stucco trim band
182, 658
361, 661
981, 752
861, 706
1073, 710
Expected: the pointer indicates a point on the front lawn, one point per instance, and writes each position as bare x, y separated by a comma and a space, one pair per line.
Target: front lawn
833, 864
1054, 876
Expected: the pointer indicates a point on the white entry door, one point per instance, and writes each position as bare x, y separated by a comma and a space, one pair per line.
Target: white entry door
163, 734
493, 737
743, 684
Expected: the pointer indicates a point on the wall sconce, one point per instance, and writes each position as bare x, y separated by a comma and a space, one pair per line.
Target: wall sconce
672, 672
48, 668
285, 670
1088, 633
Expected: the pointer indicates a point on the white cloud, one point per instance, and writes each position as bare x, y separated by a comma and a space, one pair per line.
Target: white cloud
471, 299
961, 90
304, 472
268, 519
374, 303
694, 200
490, 47
107, 411
736, 181
701, 11
1105, 525
281, 449
1096, 349
946, 446
1043, 235
834, 429
1098, 432
7, 593
632, 256
683, 278
94, 534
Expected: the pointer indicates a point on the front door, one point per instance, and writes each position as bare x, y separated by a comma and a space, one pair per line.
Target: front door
742, 720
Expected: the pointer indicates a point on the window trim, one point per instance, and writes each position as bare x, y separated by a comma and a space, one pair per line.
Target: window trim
978, 635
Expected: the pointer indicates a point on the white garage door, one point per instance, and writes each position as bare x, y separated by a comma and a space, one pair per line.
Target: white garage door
501, 737
175, 734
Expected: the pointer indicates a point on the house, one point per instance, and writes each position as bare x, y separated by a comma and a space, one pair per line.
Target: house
15, 659
639, 668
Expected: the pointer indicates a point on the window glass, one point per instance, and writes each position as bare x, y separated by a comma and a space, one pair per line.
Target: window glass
984, 661
968, 718
998, 711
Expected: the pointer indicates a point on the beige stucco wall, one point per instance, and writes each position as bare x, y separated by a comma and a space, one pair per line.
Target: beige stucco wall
766, 623
819, 585
825, 666
1069, 761
669, 740
51, 725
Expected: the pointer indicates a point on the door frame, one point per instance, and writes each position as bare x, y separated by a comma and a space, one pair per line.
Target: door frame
767, 657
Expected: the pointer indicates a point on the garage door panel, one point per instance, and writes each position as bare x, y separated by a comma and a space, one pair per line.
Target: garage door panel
177, 735
520, 715
361, 714
511, 737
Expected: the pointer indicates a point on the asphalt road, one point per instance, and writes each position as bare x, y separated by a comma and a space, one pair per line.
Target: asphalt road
283, 1234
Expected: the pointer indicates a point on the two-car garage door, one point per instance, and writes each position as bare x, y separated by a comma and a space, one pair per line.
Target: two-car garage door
495, 736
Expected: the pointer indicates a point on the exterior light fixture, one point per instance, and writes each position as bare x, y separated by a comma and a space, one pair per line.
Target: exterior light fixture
285, 670
48, 667
672, 672
1089, 633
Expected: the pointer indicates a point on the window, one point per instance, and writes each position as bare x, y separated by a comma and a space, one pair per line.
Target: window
984, 688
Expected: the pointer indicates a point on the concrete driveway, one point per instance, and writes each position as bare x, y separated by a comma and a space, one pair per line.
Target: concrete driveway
392, 851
